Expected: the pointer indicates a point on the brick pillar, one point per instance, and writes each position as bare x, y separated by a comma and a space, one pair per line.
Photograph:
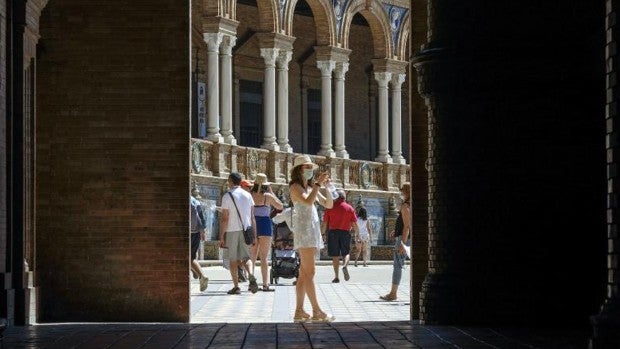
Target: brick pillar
606, 323
515, 171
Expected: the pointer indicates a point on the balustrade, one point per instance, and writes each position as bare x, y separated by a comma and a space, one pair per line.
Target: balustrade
220, 159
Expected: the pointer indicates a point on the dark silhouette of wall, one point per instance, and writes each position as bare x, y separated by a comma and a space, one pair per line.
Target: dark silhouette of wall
517, 162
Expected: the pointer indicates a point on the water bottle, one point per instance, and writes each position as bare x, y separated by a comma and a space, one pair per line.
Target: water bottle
332, 190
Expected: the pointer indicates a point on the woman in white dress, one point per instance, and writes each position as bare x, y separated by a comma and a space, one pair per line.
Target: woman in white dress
305, 192
363, 240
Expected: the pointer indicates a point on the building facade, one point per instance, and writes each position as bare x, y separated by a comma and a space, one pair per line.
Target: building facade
518, 198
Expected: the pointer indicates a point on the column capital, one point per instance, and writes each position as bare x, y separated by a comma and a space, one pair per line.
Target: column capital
284, 58
228, 42
383, 78
269, 55
397, 80
341, 69
326, 67
213, 41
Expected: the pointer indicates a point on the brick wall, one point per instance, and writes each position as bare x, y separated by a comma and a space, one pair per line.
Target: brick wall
3, 154
418, 128
112, 161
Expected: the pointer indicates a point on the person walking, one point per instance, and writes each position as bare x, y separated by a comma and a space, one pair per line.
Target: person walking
237, 214
197, 233
362, 241
264, 200
337, 223
401, 235
247, 186
305, 191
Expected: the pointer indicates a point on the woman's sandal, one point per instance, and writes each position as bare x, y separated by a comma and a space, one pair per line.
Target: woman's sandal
267, 289
301, 316
388, 297
322, 317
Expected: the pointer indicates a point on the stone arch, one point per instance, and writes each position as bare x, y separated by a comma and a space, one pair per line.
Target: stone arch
269, 19
324, 21
403, 39
373, 12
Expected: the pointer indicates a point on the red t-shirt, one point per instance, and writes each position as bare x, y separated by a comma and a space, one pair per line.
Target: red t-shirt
340, 216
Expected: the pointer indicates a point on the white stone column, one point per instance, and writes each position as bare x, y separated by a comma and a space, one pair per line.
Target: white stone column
269, 98
397, 81
228, 43
326, 68
340, 146
383, 79
283, 60
213, 41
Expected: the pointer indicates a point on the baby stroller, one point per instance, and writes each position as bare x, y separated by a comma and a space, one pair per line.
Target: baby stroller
284, 259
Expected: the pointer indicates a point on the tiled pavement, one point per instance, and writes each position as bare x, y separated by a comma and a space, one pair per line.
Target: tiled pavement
351, 301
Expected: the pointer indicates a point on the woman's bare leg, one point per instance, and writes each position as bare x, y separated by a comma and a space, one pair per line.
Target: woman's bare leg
264, 243
253, 256
307, 271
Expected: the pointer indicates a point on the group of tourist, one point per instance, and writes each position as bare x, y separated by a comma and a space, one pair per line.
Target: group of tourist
249, 204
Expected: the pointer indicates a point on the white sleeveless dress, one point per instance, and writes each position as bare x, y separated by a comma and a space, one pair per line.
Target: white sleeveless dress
306, 226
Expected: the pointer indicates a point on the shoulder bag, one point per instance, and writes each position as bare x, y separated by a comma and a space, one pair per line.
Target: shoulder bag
248, 233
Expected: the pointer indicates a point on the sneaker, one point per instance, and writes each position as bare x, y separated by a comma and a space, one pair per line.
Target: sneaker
336, 280
203, 283
253, 285
234, 290
345, 271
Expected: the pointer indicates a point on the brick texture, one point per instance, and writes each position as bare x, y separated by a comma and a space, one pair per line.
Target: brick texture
112, 161
3, 133
418, 143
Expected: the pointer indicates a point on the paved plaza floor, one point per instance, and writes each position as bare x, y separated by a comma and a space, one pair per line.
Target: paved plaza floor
349, 301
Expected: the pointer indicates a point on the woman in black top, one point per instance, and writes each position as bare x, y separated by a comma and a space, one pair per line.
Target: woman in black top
401, 235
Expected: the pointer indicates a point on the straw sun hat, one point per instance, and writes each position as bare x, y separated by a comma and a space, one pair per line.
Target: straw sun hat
261, 179
304, 160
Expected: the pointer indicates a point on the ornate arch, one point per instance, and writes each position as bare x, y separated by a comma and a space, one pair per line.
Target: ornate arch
377, 19
403, 39
324, 20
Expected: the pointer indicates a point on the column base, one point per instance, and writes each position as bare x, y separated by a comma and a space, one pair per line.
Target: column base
230, 139
606, 326
215, 138
285, 147
399, 159
270, 146
328, 153
385, 158
342, 154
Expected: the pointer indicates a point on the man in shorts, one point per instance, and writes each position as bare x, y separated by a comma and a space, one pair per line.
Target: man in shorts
237, 214
338, 221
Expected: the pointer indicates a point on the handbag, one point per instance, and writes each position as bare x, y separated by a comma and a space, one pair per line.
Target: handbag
248, 232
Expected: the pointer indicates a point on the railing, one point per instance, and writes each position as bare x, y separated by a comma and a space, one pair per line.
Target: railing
219, 160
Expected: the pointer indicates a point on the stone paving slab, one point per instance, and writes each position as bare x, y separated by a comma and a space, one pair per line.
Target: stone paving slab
355, 300
360, 335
